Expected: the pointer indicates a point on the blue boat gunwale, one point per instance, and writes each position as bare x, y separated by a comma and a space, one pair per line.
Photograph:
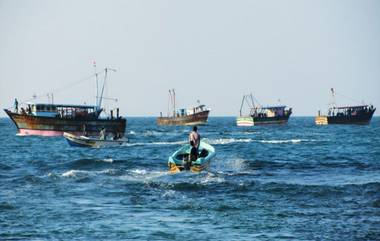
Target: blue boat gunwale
185, 149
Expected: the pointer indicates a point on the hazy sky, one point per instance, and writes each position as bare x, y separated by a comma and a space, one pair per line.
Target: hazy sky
214, 51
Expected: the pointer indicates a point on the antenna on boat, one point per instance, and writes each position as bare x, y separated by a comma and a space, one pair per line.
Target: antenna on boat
97, 84
333, 101
173, 102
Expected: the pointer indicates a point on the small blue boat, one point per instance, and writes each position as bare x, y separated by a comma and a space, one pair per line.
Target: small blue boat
180, 160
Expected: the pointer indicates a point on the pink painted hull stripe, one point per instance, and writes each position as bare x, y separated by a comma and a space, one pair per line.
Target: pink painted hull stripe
28, 132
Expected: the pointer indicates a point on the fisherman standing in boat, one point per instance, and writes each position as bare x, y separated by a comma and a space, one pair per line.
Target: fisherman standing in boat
84, 130
195, 137
102, 134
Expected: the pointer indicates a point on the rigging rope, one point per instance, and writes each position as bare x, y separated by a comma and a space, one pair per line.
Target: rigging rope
60, 89
349, 98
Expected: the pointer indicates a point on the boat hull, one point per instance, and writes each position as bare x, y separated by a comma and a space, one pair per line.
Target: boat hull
56, 126
80, 141
360, 119
195, 119
252, 121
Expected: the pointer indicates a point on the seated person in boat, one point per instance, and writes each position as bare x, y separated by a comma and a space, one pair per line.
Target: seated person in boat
116, 135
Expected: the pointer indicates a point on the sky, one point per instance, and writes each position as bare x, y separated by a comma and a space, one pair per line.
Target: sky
287, 52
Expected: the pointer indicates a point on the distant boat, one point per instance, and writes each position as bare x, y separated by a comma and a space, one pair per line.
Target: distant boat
192, 116
45, 119
177, 161
355, 114
259, 115
84, 141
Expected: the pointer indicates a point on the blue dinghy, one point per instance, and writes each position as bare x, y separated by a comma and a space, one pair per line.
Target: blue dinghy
179, 161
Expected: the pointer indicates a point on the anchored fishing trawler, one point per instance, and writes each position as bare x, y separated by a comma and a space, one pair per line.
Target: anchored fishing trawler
262, 115
48, 119
192, 116
355, 114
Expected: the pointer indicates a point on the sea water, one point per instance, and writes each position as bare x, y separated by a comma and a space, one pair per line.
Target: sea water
290, 182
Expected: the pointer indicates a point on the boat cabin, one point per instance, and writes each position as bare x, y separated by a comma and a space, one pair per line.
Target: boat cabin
190, 111
270, 111
349, 110
62, 111
196, 109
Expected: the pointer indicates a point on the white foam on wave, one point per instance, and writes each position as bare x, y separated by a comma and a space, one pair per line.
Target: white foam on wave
224, 141
75, 173
169, 194
142, 175
293, 141
212, 178
139, 171
109, 160
249, 132
281, 141
71, 173
156, 143
132, 133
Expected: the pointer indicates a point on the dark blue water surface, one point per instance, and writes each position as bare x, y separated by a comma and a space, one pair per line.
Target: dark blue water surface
292, 182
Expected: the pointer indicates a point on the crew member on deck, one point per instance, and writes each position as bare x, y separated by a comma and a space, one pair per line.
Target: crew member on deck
16, 105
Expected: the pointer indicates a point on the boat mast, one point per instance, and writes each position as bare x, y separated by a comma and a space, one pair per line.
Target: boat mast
333, 101
242, 103
104, 84
170, 102
174, 103
97, 84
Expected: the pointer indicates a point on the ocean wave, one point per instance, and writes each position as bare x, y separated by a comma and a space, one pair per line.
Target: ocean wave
89, 163
153, 133
5, 167
281, 141
212, 178
142, 175
6, 206
80, 173
293, 141
156, 143
108, 160
224, 141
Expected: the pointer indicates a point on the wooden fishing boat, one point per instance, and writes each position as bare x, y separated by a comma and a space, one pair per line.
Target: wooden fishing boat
49, 119
262, 115
197, 115
84, 141
355, 114
179, 161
